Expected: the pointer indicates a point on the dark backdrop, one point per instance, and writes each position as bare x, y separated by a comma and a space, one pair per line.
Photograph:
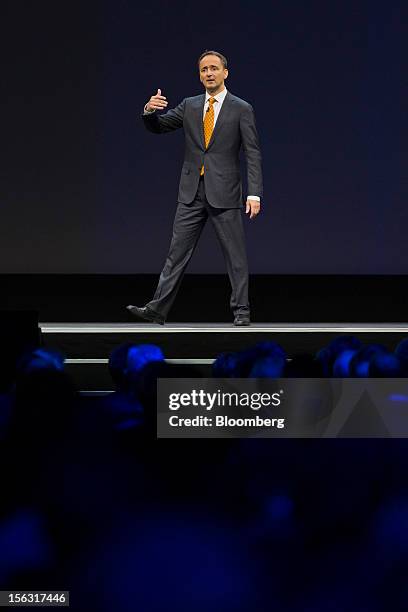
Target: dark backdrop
85, 189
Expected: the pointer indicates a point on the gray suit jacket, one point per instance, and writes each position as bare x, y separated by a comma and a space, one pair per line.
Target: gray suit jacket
235, 126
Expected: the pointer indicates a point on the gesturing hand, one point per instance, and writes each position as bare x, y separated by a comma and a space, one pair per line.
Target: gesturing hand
156, 102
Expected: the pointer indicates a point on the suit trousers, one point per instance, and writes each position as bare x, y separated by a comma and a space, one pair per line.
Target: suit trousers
189, 222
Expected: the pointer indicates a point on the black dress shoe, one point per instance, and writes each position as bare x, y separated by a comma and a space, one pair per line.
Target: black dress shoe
242, 320
146, 313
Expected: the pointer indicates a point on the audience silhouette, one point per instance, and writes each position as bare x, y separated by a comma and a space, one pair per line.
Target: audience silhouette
93, 503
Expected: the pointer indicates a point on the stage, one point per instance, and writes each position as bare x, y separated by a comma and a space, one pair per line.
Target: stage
85, 316
87, 346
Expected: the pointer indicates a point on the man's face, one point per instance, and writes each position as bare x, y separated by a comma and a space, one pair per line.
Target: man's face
212, 74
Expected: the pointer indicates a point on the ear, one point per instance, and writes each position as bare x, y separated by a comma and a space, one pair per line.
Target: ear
225, 73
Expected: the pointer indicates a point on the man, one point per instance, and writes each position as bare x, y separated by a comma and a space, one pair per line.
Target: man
216, 125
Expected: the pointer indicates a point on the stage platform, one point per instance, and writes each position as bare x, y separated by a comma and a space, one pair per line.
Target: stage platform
87, 346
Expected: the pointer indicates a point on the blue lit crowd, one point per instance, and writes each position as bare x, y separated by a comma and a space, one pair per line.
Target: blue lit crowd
93, 503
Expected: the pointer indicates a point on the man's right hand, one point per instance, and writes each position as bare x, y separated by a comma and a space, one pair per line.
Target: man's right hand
156, 102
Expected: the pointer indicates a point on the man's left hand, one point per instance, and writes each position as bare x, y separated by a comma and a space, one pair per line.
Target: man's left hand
253, 207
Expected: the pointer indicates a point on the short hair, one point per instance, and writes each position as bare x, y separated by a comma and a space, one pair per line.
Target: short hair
220, 55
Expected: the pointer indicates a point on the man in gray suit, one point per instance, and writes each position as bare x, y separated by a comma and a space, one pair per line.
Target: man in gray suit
216, 125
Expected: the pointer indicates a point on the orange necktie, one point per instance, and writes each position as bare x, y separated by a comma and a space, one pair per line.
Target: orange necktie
208, 125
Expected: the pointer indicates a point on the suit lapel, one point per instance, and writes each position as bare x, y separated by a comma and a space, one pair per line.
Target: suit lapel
198, 118
221, 118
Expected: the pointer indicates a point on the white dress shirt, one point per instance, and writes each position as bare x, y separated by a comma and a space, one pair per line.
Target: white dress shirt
220, 97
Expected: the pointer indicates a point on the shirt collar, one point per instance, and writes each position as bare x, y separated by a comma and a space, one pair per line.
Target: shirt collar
219, 97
